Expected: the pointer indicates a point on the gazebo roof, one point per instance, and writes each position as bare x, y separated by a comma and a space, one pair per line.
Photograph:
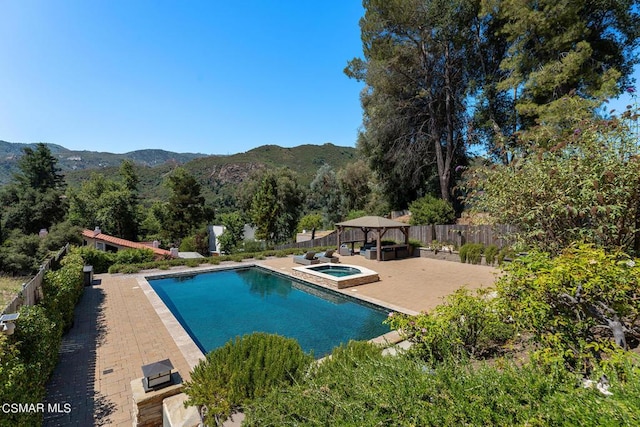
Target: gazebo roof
372, 222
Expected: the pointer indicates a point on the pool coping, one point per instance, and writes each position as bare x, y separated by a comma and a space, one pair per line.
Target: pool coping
187, 346
309, 274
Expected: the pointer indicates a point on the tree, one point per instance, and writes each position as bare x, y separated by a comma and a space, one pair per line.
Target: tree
430, 210
109, 204
33, 200
582, 50
354, 180
325, 195
185, 209
276, 206
417, 70
233, 233
586, 188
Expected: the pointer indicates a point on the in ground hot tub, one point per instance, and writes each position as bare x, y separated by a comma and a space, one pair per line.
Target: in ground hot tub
337, 276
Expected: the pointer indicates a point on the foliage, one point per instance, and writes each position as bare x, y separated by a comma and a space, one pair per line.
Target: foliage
505, 253
490, 254
18, 384
62, 289
243, 370
586, 188
32, 201
310, 222
471, 253
109, 204
465, 326
38, 339
186, 210
324, 195
430, 210
355, 181
355, 214
414, 102
100, 260
188, 244
233, 232
587, 55
359, 387
579, 305
276, 206
133, 256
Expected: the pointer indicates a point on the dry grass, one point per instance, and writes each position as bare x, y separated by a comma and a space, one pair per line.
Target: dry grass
9, 288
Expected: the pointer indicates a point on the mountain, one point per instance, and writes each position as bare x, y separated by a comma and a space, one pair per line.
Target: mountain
71, 160
219, 176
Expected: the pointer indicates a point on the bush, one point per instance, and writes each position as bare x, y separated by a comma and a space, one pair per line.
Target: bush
430, 210
465, 326
100, 260
62, 289
242, 370
133, 256
505, 253
38, 340
580, 306
490, 254
366, 389
471, 253
188, 244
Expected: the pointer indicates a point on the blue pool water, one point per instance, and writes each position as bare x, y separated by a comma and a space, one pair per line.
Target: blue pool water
216, 307
336, 270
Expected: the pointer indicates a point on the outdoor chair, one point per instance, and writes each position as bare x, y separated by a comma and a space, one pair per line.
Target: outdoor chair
327, 256
306, 259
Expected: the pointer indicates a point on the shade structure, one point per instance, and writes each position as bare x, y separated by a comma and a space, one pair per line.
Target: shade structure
377, 224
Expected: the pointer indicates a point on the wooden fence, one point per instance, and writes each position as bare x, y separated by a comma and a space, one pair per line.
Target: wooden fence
31, 292
458, 235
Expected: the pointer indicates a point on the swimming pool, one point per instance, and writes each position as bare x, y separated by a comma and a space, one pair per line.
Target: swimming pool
218, 306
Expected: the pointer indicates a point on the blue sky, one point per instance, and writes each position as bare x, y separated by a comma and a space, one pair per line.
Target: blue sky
216, 77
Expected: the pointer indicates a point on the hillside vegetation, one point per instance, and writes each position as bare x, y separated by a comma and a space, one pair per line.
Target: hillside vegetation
72, 160
219, 175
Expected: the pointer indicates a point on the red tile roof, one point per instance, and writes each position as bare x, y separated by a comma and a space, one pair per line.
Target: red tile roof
90, 234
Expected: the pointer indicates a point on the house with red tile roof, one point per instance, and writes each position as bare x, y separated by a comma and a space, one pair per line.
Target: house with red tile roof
104, 242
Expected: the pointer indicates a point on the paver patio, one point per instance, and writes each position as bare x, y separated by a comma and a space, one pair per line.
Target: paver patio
117, 330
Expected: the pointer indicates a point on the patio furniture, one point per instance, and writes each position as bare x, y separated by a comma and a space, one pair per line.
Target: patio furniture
345, 250
327, 256
306, 259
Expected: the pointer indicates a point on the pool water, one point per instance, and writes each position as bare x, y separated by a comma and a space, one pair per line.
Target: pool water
336, 270
216, 307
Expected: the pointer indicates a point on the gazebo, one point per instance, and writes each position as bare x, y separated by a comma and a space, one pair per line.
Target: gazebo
377, 224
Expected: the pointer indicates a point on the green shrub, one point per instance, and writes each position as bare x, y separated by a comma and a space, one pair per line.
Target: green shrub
505, 253
133, 256
471, 253
38, 340
188, 244
490, 254
100, 260
430, 210
466, 325
18, 384
309, 222
193, 262
253, 246
367, 389
572, 304
62, 289
214, 260
244, 369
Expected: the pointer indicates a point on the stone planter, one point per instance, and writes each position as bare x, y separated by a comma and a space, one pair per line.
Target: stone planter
441, 255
